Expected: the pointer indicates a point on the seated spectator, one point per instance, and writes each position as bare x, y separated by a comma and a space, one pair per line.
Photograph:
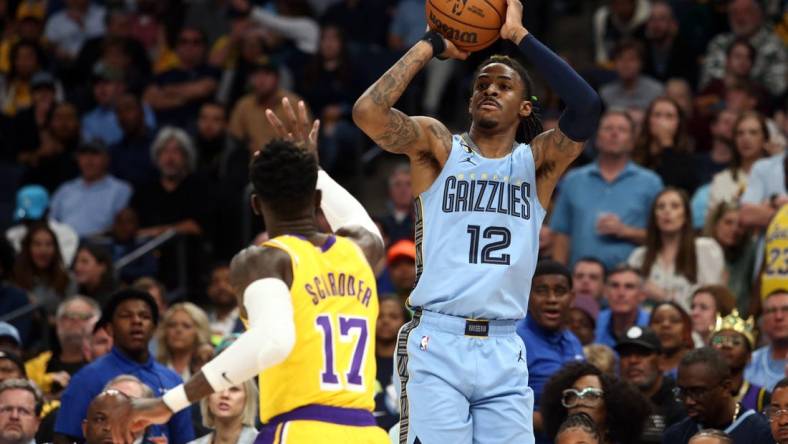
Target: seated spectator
39, 269
123, 241
618, 409
602, 357
100, 341
94, 272
133, 317
746, 21
616, 21
27, 58
391, 317
708, 304
724, 226
74, 322
549, 344
691, 261
665, 146
53, 162
765, 193
673, 327
582, 318
398, 221
11, 365
231, 413
667, 57
703, 385
578, 428
89, 203
734, 338
215, 147
588, 276
94, 426
131, 160
247, 120
632, 89
20, 406
157, 291
639, 352
401, 265
236, 53
608, 229
624, 294
776, 412
184, 329
720, 152
134, 388
711, 436
739, 60
178, 93
68, 29
223, 315
24, 143
767, 365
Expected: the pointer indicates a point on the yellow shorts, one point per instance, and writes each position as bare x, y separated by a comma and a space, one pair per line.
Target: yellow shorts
320, 424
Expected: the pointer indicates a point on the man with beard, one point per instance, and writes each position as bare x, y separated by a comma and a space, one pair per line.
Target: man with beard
638, 353
777, 412
704, 386
223, 316
20, 405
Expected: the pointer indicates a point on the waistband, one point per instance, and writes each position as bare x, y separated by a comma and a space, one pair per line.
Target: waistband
465, 326
325, 413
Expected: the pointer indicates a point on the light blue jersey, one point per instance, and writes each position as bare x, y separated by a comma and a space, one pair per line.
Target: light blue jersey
477, 235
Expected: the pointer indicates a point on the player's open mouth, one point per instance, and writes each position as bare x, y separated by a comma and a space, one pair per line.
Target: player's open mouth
489, 104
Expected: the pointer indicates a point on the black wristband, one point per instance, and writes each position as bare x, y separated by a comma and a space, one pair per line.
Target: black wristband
435, 39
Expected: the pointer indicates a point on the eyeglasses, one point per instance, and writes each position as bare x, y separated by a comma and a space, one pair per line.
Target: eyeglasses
696, 393
588, 397
732, 341
8, 410
774, 413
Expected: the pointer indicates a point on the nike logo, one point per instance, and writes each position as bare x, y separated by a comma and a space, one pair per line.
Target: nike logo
469, 160
224, 375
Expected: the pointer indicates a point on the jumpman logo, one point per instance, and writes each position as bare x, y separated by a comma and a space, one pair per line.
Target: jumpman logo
469, 159
520, 357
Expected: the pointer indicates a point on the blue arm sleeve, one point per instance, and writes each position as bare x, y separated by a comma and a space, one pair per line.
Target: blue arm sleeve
583, 106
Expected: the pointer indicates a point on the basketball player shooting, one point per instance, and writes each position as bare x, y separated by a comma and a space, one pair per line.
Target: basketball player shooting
480, 202
309, 302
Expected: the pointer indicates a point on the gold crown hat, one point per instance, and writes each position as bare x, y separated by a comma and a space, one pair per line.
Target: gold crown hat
734, 322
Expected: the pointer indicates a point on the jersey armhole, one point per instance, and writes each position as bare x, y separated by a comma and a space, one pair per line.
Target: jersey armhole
455, 149
279, 245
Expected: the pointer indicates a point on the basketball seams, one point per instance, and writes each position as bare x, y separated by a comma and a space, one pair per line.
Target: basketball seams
500, 14
470, 25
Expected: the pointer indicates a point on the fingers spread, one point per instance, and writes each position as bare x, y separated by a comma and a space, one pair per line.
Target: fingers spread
276, 123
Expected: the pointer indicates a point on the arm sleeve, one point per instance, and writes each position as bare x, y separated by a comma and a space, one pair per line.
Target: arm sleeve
341, 208
583, 106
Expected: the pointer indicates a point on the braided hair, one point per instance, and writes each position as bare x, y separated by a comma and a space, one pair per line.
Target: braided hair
530, 126
580, 421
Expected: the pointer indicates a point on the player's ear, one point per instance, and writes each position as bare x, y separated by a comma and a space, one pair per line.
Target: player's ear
526, 108
255, 204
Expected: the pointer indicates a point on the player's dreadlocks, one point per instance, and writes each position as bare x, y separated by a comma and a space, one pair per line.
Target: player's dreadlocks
530, 126
284, 174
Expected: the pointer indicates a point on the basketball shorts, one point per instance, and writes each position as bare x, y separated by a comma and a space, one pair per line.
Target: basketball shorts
322, 424
463, 381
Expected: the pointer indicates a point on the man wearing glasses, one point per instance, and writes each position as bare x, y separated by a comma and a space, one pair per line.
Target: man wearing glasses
20, 405
777, 412
767, 366
704, 387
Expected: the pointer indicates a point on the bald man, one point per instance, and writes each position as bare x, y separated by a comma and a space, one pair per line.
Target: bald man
95, 427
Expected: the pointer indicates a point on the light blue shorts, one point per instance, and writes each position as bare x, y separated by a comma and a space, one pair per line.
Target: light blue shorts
463, 381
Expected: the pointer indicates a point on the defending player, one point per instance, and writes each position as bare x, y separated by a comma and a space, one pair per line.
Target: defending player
480, 201
310, 303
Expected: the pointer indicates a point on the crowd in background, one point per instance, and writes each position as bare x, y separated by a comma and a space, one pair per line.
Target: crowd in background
126, 127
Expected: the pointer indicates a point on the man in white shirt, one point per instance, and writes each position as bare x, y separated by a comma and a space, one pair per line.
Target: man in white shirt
68, 29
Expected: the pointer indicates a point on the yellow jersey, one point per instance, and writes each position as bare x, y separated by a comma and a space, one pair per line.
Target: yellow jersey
775, 263
335, 308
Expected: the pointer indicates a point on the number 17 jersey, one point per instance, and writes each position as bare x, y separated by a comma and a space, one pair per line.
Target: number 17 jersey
335, 307
477, 235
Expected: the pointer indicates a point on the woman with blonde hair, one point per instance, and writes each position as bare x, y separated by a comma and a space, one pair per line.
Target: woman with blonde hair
182, 332
231, 413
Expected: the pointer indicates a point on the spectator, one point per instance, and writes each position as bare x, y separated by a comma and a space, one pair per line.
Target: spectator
398, 222
703, 386
231, 413
610, 228
624, 294
618, 409
90, 203
74, 322
183, 330
29, 123
774, 274
673, 259
708, 304
765, 193
11, 365
245, 45
666, 57
664, 145
223, 314
94, 272
133, 316
725, 227
215, 147
746, 21
639, 352
673, 327
102, 121
602, 357
154, 288
632, 89
392, 315
578, 428
27, 58
68, 29
739, 60
616, 21
720, 151
750, 136
20, 406
401, 264
95, 427
776, 412
123, 241
247, 121
10, 338
178, 93
734, 338
54, 161
131, 160
100, 341
767, 365
711, 436
549, 344
588, 276
582, 318
39, 269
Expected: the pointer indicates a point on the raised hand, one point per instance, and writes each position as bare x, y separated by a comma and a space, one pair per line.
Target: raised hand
513, 28
135, 415
297, 129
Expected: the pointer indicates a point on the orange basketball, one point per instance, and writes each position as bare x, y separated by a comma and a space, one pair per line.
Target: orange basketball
470, 24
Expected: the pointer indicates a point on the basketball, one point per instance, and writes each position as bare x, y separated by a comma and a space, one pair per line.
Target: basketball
470, 24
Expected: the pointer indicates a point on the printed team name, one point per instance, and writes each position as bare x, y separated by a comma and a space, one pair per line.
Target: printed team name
451, 33
486, 196
777, 233
340, 285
